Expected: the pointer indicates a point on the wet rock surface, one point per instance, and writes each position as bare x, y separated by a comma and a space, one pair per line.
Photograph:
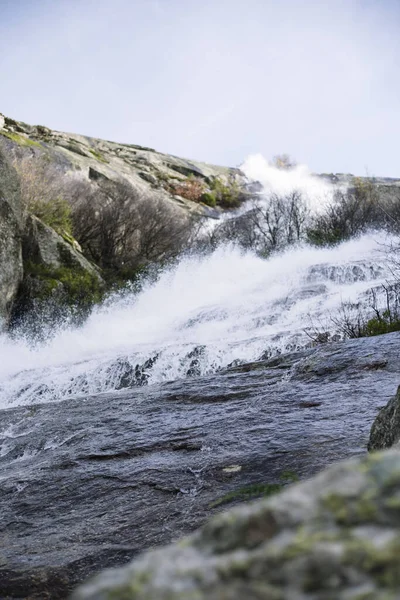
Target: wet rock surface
336, 536
89, 483
385, 431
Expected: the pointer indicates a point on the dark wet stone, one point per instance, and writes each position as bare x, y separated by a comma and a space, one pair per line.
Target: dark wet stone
385, 431
88, 483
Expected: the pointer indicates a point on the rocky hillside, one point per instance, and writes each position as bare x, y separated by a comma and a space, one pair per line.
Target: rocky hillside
39, 258
79, 215
142, 167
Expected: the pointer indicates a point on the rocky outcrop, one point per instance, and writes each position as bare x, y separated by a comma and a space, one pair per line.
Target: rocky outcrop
385, 431
42, 246
144, 168
336, 536
10, 238
56, 275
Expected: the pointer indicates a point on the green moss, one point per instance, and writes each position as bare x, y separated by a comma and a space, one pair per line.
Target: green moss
209, 198
381, 563
289, 477
80, 288
304, 542
19, 139
98, 156
392, 503
56, 214
227, 195
258, 490
360, 510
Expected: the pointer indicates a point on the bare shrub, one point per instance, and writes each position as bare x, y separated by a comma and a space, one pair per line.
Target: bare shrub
351, 212
122, 229
218, 192
191, 189
379, 315
43, 193
270, 225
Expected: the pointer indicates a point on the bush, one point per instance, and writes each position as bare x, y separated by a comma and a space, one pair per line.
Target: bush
354, 321
267, 226
386, 323
226, 195
56, 214
79, 287
191, 189
209, 199
123, 229
350, 213
43, 194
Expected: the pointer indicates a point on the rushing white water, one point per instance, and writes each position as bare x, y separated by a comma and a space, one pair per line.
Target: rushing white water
315, 191
198, 317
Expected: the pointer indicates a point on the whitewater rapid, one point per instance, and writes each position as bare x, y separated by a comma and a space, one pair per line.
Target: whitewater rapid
198, 317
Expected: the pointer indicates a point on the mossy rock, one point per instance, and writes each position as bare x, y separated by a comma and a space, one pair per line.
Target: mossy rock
21, 140
385, 430
10, 238
334, 537
57, 277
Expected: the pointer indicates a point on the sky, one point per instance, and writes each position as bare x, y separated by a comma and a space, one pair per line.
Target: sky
212, 80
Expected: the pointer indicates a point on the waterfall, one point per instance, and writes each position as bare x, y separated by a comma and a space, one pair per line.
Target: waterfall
201, 315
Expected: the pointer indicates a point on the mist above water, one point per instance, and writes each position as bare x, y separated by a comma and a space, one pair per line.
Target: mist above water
316, 191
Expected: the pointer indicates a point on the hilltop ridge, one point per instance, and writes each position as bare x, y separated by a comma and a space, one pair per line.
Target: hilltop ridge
144, 168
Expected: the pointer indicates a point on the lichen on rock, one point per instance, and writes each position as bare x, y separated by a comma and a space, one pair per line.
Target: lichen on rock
385, 431
56, 275
334, 537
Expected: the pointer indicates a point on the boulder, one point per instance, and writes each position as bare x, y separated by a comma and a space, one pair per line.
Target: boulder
334, 537
42, 245
385, 431
10, 238
56, 277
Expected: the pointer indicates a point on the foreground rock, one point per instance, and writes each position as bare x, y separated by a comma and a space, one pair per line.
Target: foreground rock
385, 431
90, 482
336, 536
10, 238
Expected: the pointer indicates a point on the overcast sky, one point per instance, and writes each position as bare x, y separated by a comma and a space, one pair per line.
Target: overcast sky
214, 80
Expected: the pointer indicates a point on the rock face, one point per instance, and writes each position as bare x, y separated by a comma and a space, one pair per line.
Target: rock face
335, 537
43, 246
56, 274
92, 481
385, 431
10, 238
